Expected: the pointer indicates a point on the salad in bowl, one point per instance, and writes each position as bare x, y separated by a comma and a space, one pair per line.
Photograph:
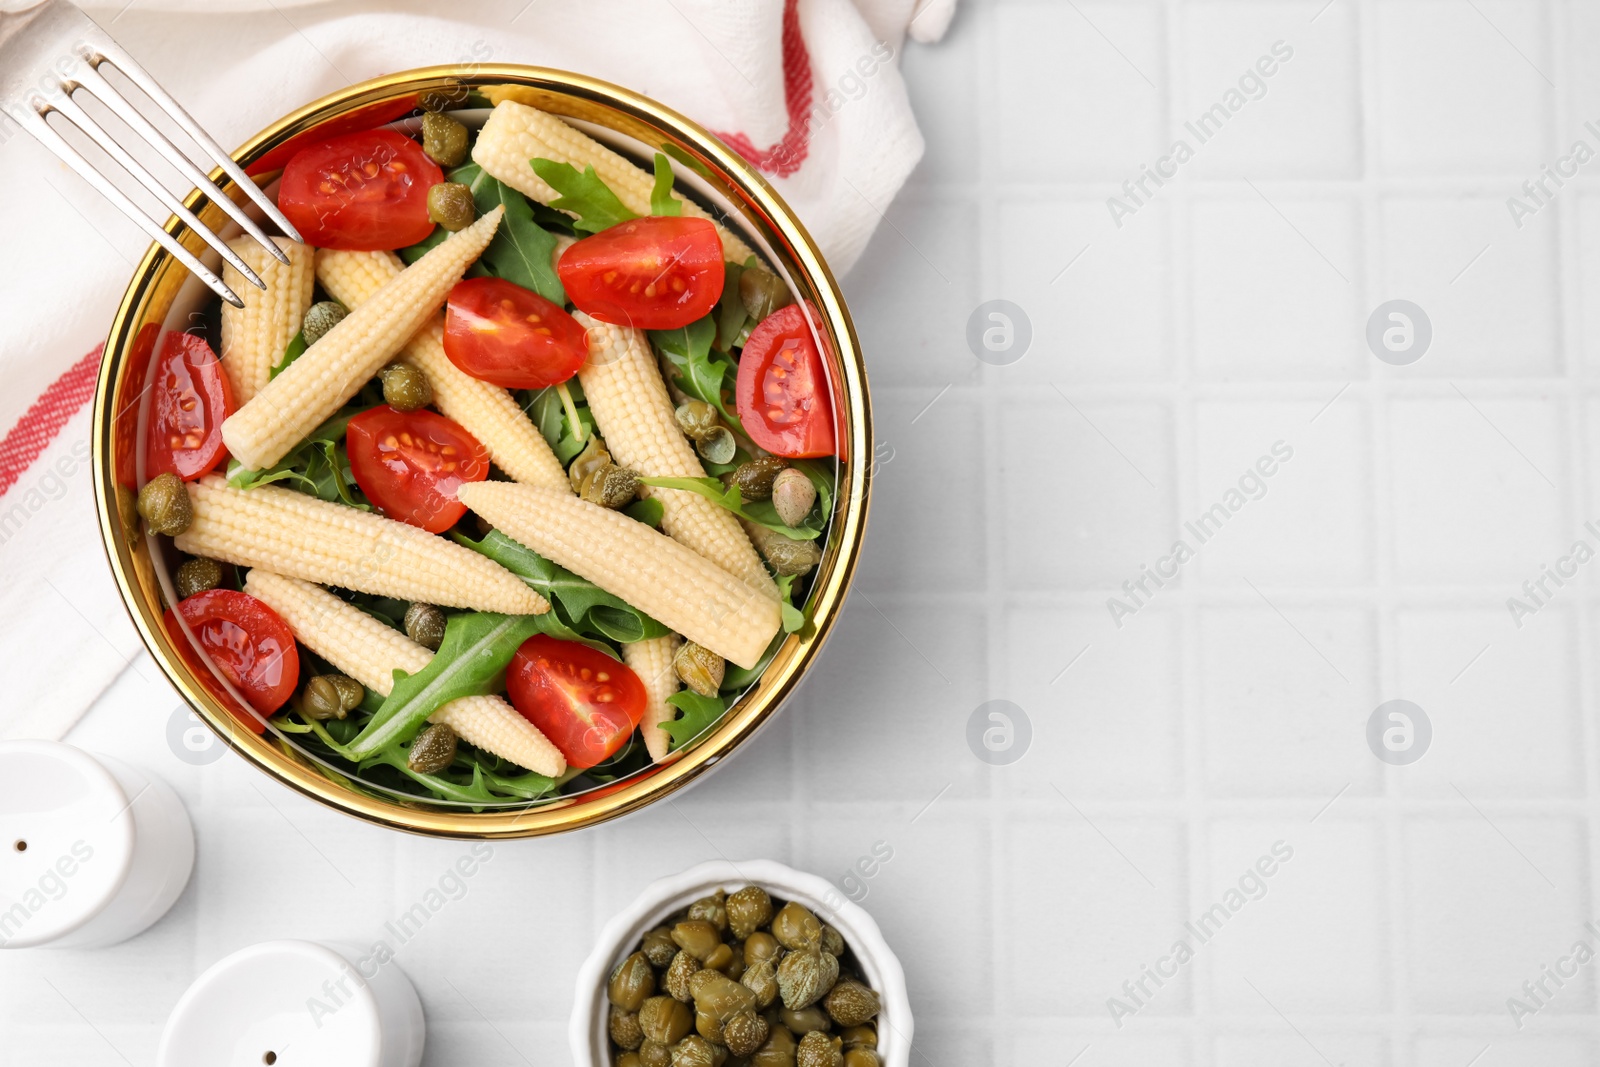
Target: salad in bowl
523, 481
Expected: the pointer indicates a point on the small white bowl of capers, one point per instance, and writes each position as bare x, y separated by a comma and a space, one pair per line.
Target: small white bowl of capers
748, 962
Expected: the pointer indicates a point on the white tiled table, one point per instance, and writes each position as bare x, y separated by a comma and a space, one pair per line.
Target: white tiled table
1170, 754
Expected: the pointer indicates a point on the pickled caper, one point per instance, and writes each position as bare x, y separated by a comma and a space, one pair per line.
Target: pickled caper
795, 927
625, 1029
450, 205
165, 506
749, 909
351, 692
718, 446
630, 1059
433, 750
664, 1020
806, 974
598, 480
712, 909
632, 982
701, 670
654, 1054
405, 388
321, 317
779, 1050
832, 941
679, 971
719, 995
851, 1003
693, 1051
658, 946
321, 699
721, 958
708, 1026
425, 625
861, 1057
696, 418
444, 139
761, 978
818, 1050
859, 1037
792, 496
755, 477
697, 937
806, 1019
762, 292
196, 576
744, 1033
786, 554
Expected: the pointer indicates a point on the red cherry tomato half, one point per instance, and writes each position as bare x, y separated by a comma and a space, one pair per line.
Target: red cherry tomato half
410, 464
656, 273
364, 191
584, 701
783, 390
512, 337
189, 397
252, 647
362, 118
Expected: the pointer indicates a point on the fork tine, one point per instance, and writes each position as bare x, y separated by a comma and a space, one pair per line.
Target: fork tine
107, 94
106, 49
71, 110
35, 123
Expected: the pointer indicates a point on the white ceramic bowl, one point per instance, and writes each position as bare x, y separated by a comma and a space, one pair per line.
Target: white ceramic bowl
591, 1046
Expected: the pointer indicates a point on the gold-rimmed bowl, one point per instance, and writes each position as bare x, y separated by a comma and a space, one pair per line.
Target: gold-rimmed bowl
163, 296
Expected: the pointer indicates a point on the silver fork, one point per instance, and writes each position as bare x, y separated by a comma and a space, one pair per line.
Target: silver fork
52, 51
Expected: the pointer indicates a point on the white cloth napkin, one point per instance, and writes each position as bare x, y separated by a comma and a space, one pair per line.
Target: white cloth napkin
810, 90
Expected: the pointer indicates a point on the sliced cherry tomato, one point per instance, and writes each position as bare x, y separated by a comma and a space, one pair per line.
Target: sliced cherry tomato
364, 191
512, 337
252, 647
362, 118
783, 389
656, 273
584, 701
189, 398
410, 463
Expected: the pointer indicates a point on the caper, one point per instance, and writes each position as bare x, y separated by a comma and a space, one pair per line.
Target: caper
755, 477
658, 946
632, 982
664, 1020
744, 1033
444, 139
818, 1050
655, 1054
425, 625
806, 1019
805, 974
762, 292
786, 554
861, 1057
598, 480
701, 670
630, 1059
851, 1003
196, 576
128, 513
718, 446
795, 927
351, 692
720, 995
321, 317
779, 1050
792, 496
736, 965
433, 750
832, 941
322, 700
450, 205
712, 909
761, 978
625, 1029
696, 418
859, 1037
697, 937
679, 971
721, 958
405, 388
164, 505
693, 1051
749, 909
708, 1026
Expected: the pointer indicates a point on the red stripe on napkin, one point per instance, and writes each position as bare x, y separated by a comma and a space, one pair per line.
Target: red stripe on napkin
785, 157
39, 425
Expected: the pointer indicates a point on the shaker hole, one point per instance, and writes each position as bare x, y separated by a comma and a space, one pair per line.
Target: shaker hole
270, 1058
21, 846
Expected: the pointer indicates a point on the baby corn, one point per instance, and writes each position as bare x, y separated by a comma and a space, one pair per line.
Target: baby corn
488, 412
254, 337
651, 660
628, 398
516, 133
370, 652
297, 535
628, 559
330, 372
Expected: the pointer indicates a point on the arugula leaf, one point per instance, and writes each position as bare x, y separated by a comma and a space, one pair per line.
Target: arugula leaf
648, 511
729, 497
687, 160
730, 312
296, 347
521, 250
470, 662
317, 466
415, 252
662, 202
549, 414
701, 371
578, 604
699, 714
483, 787
585, 195
737, 678
793, 618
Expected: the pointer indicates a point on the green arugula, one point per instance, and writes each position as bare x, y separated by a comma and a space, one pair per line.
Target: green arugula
470, 662
793, 618
700, 370
662, 202
296, 348
584, 195
548, 413
521, 250
580, 610
317, 466
698, 715
730, 313
648, 511
760, 512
